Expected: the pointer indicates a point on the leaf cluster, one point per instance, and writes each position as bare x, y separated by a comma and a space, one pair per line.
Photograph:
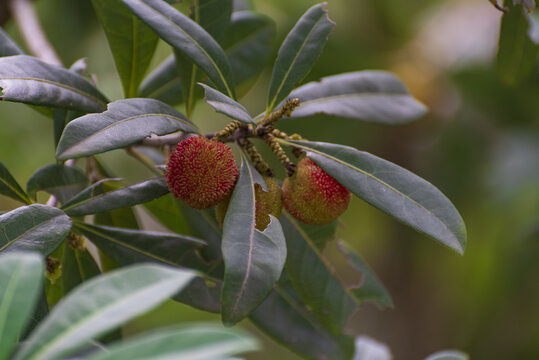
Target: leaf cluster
282, 278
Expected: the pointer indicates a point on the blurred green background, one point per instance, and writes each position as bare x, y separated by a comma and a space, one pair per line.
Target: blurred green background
479, 145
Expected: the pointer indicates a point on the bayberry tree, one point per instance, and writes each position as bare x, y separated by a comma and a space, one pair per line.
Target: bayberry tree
250, 258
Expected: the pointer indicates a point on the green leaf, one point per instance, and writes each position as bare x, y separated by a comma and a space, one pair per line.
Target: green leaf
7, 46
202, 294
289, 321
100, 305
77, 267
253, 259
91, 191
20, 283
124, 123
370, 288
62, 181
392, 189
315, 279
517, 53
9, 186
163, 83
126, 246
167, 211
376, 96
124, 217
298, 53
213, 16
29, 80
225, 105
188, 37
132, 43
128, 196
248, 43
201, 342
33, 228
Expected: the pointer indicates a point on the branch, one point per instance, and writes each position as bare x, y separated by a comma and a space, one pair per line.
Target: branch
32, 33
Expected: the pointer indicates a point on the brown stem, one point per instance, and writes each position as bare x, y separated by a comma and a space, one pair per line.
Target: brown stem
31, 31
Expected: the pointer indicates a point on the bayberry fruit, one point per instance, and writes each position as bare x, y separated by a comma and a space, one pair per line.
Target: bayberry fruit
312, 196
201, 172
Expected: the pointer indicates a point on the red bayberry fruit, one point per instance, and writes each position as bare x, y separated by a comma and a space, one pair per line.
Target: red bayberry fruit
266, 203
201, 172
312, 196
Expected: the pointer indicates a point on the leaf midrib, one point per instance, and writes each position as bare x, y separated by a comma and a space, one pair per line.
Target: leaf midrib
78, 144
292, 64
251, 242
82, 322
8, 296
221, 76
44, 223
67, 87
81, 225
352, 95
16, 191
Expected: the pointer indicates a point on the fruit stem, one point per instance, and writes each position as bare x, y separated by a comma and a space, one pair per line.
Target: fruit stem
223, 135
258, 162
284, 111
280, 153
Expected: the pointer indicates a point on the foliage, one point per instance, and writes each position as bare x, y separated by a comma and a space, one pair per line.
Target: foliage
95, 308
280, 278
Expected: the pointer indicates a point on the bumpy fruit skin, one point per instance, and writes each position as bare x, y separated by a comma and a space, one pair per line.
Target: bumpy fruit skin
266, 203
312, 196
201, 172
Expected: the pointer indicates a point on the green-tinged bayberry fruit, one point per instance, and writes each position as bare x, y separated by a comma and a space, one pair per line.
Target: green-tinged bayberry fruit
201, 172
266, 203
312, 196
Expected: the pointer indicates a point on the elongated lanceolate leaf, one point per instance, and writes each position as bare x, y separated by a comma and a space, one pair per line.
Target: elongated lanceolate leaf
35, 227
29, 80
100, 305
253, 259
376, 96
127, 246
128, 196
315, 279
163, 83
194, 341
78, 265
10, 187
517, 52
7, 46
289, 321
225, 105
132, 43
392, 189
298, 53
188, 37
124, 123
370, 288
248, 43
59, 180
213, 16
21, 277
